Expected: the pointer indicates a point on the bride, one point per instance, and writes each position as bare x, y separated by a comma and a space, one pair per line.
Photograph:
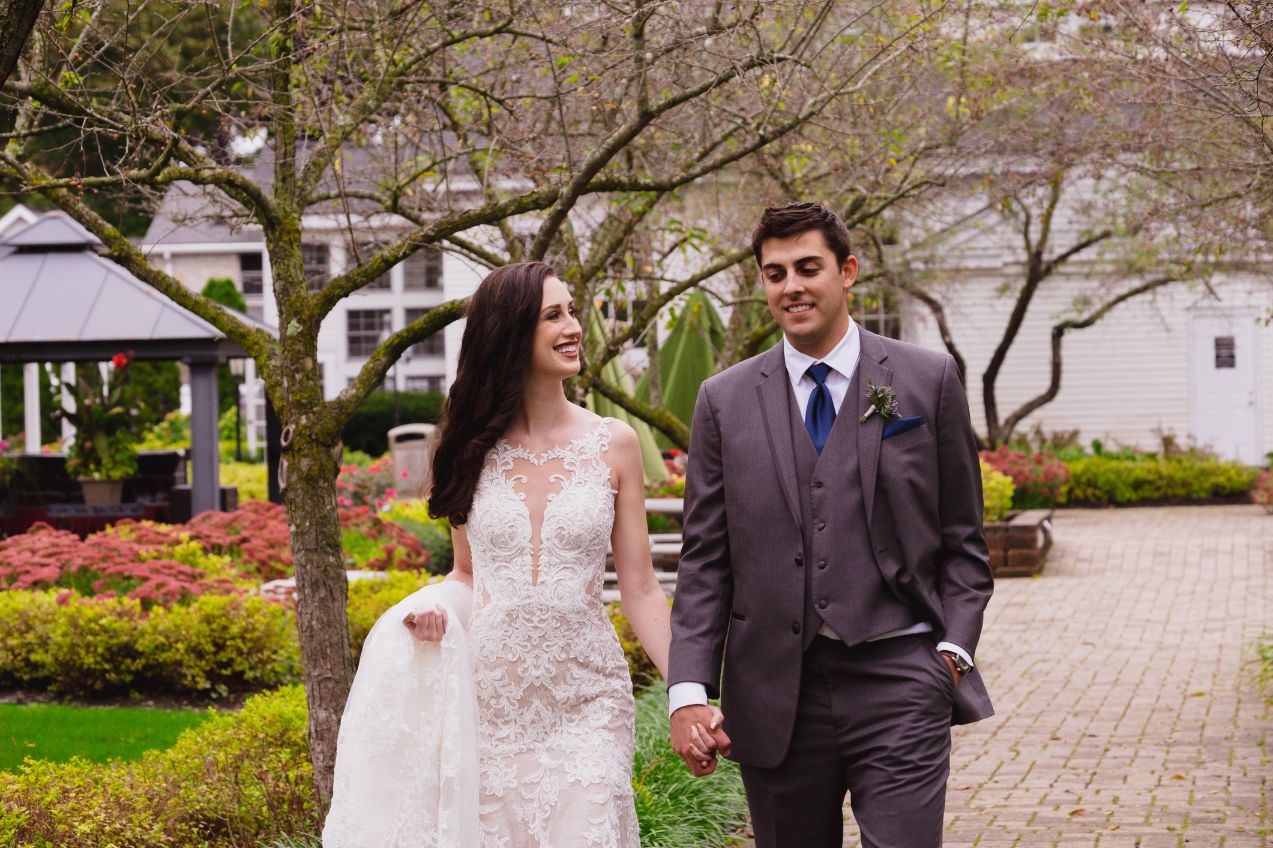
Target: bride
534, 487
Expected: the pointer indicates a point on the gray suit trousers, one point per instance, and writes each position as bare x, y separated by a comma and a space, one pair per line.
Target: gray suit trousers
873, 721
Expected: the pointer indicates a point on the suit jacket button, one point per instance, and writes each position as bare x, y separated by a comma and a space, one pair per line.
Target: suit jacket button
822, 604
795, 627
817, 484
822, 525
799, 560
822, 563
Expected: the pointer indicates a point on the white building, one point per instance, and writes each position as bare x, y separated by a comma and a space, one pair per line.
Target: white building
186, 240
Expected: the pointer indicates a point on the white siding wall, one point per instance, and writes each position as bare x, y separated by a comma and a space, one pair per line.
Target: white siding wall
1125, 380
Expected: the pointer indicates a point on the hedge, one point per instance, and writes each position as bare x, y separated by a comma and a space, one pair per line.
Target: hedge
240, 780
214, 645
367, 429
89, 647
1099, 480
229, 783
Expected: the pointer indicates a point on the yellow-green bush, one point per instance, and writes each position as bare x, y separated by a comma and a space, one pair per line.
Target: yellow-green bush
99, 646
232, 782
997, 490
1107, 480
250, 478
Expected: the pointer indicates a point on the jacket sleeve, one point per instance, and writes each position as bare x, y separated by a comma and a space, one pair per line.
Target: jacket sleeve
964, 579
704, 580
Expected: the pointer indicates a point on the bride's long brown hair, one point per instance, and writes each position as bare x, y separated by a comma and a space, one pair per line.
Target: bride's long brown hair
495, 356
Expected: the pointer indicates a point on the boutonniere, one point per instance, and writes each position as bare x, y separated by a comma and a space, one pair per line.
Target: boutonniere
882, 399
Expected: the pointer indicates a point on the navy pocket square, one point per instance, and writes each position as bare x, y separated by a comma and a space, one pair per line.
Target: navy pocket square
898, 426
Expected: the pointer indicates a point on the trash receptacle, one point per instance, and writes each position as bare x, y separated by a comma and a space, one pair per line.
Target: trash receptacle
411, 447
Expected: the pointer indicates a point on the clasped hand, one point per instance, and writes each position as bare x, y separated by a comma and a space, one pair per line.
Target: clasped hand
697, 736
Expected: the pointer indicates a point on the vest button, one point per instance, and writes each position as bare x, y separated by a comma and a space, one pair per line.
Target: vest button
799, 560
817, 484
822, 525
795, 627
822, 563
822, 604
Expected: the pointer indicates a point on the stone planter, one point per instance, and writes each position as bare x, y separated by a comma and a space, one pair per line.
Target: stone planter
1019, 545
102, 491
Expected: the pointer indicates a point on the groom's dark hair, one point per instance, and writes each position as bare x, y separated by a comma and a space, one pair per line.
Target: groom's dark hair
796, 218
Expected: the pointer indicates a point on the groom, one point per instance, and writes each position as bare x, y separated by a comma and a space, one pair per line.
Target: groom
833, 564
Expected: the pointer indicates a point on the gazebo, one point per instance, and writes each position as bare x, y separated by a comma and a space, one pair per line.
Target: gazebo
63, 302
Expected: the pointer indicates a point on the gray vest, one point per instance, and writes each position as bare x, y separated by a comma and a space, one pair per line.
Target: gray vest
842, 586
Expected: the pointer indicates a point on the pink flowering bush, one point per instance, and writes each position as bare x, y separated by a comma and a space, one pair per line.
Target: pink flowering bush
1262, 491
1040, 480
217, 553
370, 486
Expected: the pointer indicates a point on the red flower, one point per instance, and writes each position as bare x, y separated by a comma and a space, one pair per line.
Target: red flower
119, 360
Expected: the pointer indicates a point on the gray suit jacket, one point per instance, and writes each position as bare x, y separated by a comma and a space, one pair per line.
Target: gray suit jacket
736, 586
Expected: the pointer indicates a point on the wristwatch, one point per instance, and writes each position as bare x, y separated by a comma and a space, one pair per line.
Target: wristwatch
961, 665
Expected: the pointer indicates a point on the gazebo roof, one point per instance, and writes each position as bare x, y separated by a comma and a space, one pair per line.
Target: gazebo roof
66, 303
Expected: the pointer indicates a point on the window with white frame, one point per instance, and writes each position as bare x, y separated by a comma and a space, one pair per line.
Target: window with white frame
423, 384
423, 269
878, 309
316, 257
434, 345
363, 330
365, 253
251, 273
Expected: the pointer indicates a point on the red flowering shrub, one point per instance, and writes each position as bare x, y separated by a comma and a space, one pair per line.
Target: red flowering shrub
1262, 491
217, 553
370, 486
1041, 480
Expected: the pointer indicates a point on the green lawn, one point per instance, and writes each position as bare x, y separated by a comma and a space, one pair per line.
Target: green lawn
55, 732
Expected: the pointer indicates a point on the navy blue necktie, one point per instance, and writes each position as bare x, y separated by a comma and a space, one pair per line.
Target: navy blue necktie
820, 414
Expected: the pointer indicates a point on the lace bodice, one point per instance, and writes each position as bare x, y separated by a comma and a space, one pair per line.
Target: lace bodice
540, 533
555, 712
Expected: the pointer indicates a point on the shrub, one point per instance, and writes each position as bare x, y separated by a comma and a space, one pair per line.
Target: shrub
996, 492
433, 534
366, 485
232, 782
367, 429
1101, 480
87, 647
110, 564
1040, 480
243, 780
674, 808
250, 478
1262, 491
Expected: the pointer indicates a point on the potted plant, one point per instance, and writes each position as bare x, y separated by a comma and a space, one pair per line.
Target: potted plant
104, 452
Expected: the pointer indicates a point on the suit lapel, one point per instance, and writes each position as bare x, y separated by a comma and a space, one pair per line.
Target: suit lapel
774, 392
870, 434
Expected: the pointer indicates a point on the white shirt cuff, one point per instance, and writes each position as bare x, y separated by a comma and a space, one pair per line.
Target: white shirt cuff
954, 649
685, 694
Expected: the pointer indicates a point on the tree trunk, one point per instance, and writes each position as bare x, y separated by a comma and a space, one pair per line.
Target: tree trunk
321, 595
17, 19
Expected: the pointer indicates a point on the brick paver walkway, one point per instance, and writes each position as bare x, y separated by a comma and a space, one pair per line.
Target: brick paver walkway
1127, 714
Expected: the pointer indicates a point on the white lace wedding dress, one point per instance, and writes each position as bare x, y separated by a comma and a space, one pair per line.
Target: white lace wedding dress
554, 700
535, 681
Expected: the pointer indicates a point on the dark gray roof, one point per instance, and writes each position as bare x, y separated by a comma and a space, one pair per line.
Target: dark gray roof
64, 302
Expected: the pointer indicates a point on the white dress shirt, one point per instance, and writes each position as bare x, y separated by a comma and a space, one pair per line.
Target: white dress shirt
843, 359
